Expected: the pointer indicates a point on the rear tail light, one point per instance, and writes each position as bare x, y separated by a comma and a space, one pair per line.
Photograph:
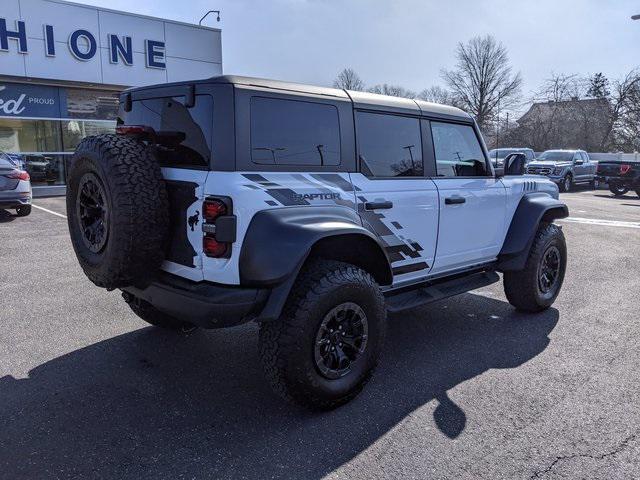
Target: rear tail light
213, 248
213, 209
18, 175
624, 169
216, 213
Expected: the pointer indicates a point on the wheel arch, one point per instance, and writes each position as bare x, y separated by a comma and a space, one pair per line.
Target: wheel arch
533, 209
279, 241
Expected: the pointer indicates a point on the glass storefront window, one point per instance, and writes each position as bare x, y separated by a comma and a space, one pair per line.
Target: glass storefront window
43, 147
46, 169
18, 135
74, 131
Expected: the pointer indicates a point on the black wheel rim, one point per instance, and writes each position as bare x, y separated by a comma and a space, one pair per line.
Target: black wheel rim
92, 212
549, 270
341, 340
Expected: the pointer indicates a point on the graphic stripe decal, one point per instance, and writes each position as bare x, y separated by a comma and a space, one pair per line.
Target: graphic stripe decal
414, 267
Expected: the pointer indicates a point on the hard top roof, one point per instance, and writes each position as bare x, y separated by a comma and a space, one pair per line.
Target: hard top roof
363, 100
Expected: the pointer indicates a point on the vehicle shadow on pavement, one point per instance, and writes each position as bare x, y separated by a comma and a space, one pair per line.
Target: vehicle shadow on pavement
6, 217
149, 404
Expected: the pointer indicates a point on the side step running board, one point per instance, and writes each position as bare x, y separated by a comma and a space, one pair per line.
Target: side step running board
438, 291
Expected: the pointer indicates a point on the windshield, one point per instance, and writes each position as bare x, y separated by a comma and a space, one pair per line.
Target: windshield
556, 156
502, 152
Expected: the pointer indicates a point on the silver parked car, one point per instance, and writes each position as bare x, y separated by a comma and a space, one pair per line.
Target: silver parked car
15, 187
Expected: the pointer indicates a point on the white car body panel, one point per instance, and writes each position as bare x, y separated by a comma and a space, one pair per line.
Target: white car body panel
419, 229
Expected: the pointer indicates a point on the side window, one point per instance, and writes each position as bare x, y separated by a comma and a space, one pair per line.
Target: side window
183, 135
457, 150
585, 156
291, 132
389, 145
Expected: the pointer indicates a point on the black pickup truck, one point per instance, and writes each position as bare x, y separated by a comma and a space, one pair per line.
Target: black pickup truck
622, 176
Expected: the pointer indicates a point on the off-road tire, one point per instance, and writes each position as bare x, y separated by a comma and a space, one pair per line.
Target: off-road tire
287, 344
567, 183
155, 317
522, 287
618, 191
137, 210
23, 211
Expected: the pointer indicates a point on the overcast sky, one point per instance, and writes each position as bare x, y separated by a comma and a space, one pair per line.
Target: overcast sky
408, 42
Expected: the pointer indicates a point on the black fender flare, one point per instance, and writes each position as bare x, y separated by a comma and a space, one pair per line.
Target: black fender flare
278, 241
532, 209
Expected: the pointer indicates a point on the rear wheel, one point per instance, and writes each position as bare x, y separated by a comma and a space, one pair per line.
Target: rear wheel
618, 190
326, 345
536, 287
23, 210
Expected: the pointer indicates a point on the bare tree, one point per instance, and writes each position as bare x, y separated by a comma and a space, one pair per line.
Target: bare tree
561, 88
349, 80
482, 80
392, 90
623, 131
437, 94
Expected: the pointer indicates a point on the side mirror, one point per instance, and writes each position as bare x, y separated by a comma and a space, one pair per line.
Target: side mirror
578, 162
515, 163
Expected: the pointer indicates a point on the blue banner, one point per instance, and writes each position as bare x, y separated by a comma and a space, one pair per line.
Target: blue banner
36, 101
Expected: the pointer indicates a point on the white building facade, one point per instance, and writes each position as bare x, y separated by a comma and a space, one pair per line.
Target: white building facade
62, 66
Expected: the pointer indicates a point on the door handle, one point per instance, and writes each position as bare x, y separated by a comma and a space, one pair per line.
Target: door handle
454, 200
378, 205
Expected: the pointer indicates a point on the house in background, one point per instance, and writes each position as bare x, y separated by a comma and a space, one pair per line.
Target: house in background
577, 123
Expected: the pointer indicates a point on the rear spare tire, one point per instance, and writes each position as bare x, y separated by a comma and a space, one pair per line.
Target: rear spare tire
117, 210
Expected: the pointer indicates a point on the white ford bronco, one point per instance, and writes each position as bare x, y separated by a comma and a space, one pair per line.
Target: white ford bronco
312, 211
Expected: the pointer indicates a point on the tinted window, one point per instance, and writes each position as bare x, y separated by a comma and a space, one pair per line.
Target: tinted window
290, 132
183, 134
389, 145
458, 152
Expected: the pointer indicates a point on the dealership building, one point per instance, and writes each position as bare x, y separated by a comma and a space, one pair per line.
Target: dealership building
62, 66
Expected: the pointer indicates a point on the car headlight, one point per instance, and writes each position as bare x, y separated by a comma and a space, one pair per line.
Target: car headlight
558, 170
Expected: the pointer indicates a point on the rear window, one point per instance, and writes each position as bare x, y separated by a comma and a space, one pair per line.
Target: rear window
183, 134
291, 132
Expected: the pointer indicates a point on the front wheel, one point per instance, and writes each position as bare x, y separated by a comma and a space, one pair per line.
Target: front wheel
326, 345
537, 286
618, 190
566, 184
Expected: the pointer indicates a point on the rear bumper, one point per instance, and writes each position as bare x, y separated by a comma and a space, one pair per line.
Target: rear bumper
15, 201
207, 305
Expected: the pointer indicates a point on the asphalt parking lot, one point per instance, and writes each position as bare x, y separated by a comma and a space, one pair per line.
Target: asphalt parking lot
468, 388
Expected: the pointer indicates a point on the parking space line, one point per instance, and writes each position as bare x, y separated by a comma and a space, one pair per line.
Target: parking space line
598, 221
48, 211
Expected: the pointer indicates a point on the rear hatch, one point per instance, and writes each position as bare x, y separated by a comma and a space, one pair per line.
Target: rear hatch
182, 130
